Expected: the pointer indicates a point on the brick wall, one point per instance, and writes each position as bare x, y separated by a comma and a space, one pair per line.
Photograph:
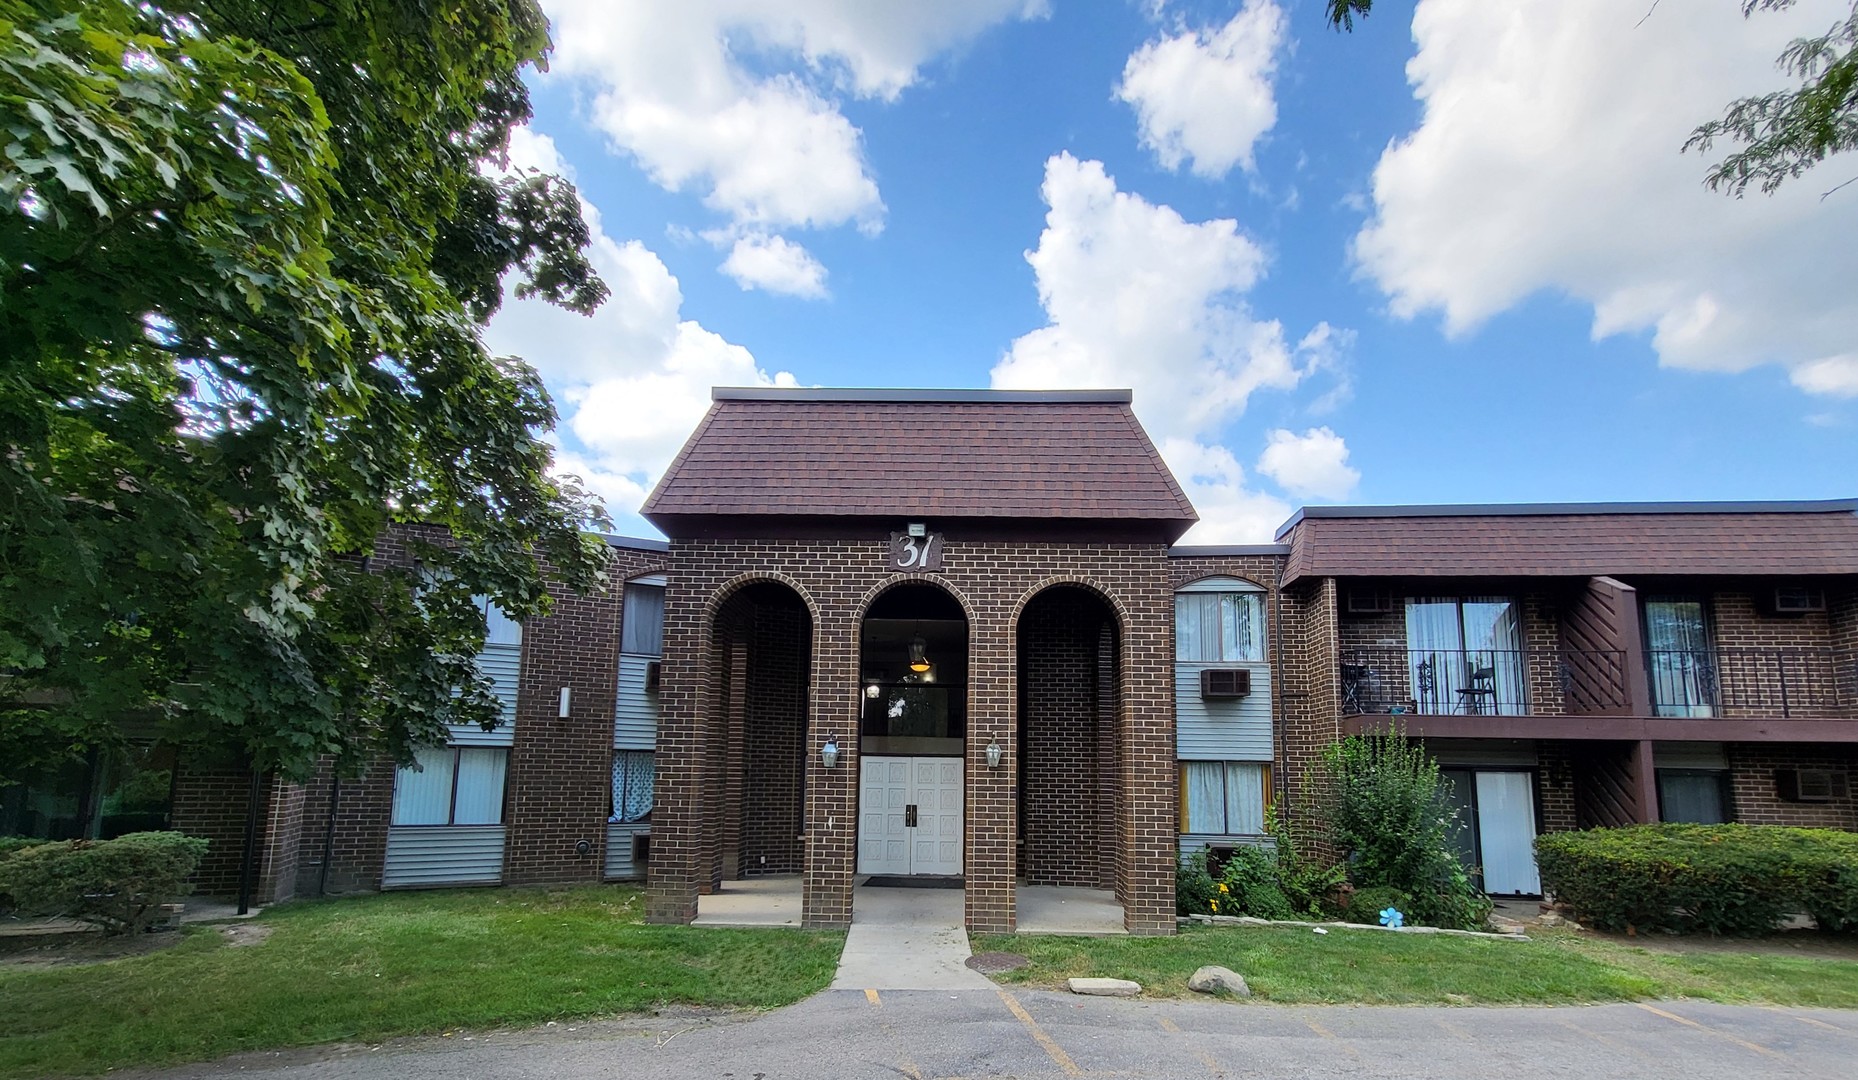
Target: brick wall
362, 806
1756, 802
838, 580
560, 780
1065, 803
1762, 683
773, 742
211, 801
1555, 787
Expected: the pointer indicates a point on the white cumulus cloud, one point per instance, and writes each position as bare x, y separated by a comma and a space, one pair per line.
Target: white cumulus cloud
1136, 296
1547, 159
631, 380
1313, 464
776, 264
739, 100
1206, 94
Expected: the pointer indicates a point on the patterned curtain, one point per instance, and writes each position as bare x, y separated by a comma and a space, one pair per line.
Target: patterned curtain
632, 786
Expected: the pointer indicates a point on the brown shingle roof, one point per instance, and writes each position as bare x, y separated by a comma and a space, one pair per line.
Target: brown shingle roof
1577, 540
934, 454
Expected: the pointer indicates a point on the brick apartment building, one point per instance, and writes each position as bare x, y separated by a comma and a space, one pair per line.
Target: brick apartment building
950, 634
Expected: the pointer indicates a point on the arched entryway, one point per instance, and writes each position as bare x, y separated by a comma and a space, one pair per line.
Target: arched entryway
760, 663
1070, 768
913, 726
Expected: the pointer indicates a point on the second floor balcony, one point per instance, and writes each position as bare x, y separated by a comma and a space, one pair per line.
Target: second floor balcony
1704, 683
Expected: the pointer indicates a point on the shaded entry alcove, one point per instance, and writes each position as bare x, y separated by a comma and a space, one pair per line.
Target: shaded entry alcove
761, 658
1070, 760
913, 724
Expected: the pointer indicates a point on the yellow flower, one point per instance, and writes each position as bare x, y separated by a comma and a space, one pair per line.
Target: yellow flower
1215, 904
1223, 889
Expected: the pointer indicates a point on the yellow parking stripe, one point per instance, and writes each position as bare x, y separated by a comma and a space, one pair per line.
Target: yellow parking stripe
1741, 1042
1051, 1048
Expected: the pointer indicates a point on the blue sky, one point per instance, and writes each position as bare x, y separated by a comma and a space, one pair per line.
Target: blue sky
1452, 257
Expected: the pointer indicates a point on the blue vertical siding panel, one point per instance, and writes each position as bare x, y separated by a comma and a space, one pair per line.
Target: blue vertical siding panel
1237, 730
635, 713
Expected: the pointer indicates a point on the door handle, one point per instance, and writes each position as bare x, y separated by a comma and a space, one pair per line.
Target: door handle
909, 816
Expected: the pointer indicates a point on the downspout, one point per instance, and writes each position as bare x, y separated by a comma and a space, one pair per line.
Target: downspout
247, 867
1280, 776
335, 803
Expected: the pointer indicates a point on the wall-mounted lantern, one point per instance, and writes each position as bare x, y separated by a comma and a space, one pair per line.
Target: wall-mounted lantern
994, 754
829, 753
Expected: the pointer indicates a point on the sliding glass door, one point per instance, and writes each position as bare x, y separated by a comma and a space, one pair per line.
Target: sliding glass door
1465, 655
1677, 649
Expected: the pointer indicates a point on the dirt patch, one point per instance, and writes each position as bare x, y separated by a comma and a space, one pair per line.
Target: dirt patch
70, 950
245, 933
993, 963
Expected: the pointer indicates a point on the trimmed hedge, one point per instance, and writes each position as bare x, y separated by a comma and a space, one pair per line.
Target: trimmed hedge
118, 884
1715, 879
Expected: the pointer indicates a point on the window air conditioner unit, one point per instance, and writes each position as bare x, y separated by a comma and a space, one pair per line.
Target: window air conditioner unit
654, 670
1798, 599
1369, 602
1217, 683
1810, 785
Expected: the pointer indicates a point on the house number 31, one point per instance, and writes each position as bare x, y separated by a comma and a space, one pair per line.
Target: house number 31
915, 552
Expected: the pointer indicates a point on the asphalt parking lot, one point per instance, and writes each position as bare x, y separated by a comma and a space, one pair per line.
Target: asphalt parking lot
922, 1034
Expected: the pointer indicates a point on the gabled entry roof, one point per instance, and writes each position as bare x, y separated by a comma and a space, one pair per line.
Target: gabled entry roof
1570, 539
1064, 456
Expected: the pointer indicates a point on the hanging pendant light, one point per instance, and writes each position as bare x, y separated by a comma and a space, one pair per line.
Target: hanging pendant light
919, 654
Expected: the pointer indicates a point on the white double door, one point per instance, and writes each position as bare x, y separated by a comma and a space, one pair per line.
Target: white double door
909, 815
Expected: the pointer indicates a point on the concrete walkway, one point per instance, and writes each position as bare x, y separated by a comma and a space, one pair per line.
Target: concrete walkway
907, 939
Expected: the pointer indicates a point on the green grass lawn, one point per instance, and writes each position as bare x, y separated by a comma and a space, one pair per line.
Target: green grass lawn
397, 964
1365, 967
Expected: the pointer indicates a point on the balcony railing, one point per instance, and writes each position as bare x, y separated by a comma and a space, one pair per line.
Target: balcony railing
1727, 683
1438, 682
1799, 682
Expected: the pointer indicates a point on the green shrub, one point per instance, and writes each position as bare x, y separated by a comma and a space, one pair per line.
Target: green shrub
1251, 885
1366, 905
10, 844
1309, 884
1716, 879
117, 884
1194, 887
1391, 815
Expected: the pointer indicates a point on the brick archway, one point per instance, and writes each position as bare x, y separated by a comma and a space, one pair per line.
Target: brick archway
1068, 644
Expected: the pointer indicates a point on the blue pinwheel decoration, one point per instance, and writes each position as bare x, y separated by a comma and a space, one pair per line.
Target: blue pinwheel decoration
1392, 917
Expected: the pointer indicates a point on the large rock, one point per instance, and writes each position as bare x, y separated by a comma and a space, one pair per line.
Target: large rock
1105, 987
1213, 979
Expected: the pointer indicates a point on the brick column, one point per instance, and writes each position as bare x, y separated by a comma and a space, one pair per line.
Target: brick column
678, 790
832, 794
990, 843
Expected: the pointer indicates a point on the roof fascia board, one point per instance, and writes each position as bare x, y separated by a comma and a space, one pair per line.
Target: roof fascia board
878, 394
1812, 506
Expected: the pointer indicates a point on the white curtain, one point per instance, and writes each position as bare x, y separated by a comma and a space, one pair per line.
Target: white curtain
1206, 796
423, 792
1225, 798
481, 774
1244, 798
641, 628
1434, 643
1213, 627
